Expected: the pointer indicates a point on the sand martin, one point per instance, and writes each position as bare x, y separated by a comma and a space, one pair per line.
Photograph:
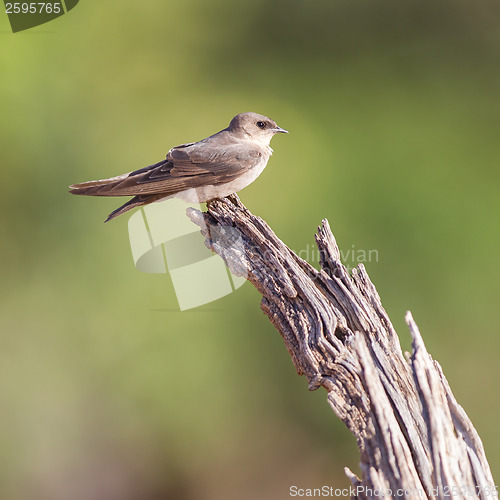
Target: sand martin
196, 172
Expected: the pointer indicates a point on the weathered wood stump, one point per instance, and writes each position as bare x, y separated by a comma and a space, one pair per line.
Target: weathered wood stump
414, 438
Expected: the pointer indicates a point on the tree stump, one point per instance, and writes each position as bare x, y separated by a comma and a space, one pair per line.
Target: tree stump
414, 439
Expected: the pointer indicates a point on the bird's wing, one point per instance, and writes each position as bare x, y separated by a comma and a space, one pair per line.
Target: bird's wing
185, 167
221, 163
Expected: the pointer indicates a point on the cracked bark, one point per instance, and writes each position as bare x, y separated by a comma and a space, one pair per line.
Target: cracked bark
414, 438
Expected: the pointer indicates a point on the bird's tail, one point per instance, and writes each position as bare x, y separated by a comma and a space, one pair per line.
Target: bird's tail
97, 188
136, 201
121, 185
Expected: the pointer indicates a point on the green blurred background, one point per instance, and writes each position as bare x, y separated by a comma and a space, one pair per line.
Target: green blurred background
107, 392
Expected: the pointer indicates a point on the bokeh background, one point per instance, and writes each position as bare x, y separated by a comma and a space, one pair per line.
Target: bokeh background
106, 390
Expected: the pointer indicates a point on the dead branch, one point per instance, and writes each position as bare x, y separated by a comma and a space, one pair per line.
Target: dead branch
415, 440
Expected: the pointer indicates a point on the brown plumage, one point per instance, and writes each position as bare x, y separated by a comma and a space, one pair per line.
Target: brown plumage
214, 167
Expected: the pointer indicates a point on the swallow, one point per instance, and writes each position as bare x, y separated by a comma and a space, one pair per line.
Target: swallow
196, 172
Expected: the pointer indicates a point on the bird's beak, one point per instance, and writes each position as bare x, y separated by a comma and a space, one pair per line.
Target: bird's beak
279, 130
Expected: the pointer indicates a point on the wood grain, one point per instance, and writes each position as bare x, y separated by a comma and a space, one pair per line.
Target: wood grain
414, 439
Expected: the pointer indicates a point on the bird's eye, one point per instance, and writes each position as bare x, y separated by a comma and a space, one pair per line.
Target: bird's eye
261, 124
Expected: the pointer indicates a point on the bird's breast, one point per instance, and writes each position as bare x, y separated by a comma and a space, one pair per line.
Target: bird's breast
211, 191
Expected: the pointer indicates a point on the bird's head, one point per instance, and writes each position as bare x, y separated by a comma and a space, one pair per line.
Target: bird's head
255, 127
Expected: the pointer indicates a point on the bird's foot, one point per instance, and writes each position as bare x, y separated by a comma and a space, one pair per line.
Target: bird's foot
233, 198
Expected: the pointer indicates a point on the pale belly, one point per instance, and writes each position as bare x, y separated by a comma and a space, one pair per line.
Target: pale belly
210, 192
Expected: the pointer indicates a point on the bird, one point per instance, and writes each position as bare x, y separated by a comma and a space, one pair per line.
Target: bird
196, 172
